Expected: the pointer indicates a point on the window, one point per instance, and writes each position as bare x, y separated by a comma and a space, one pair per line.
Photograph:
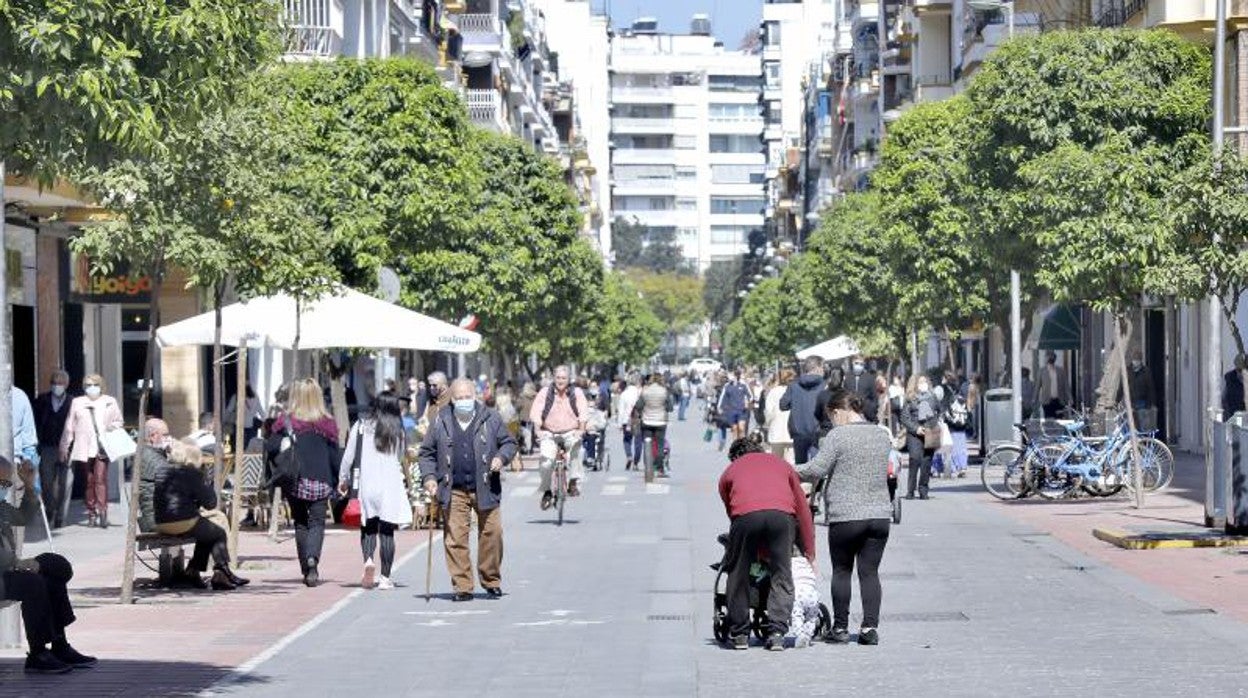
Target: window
733, 143
771, 75
736, 174
733, 112
686, 142
686, 203
644, 111
729, 234
771, 33
655, 142
686, 173
741, 205
641, 80
633, 173
772, 112
735, 83
643, 203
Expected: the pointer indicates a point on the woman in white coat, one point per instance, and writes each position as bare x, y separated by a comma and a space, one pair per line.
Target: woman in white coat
777, 419
384, 506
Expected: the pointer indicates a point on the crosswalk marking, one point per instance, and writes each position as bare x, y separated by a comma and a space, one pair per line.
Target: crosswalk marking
657, 488
614, 490
618, 478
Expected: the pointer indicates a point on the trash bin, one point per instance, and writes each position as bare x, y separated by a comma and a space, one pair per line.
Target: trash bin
1236, 478
998, 420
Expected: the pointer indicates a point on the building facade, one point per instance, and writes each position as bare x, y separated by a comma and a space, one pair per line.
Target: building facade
685, 136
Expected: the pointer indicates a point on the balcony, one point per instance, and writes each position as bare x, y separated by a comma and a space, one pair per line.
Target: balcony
644, 156
866, 13
643, 95
312, 30
932, 88
485, 109
483, 32
626, 187
643, 126
992, 36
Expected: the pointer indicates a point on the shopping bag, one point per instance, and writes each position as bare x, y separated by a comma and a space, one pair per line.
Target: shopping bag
117, 444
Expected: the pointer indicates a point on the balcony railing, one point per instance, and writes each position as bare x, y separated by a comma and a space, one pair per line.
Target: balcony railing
482, 31
311, 30
1116, 13
485, 108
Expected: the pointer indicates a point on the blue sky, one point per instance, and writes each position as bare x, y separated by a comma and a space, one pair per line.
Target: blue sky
730, 19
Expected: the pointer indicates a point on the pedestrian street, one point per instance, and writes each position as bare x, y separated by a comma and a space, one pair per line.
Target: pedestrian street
618, 602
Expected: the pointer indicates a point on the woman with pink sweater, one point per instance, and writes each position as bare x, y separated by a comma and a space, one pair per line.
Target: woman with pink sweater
90, 416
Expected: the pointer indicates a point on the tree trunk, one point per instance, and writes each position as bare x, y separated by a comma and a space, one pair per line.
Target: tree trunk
1122, 324
240, 414
132, 518
1229, 312
218, 387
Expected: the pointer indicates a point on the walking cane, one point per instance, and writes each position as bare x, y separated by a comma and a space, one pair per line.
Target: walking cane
429, 562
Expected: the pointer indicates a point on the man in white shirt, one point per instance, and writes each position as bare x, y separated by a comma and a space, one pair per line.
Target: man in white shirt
628, 400
203, 438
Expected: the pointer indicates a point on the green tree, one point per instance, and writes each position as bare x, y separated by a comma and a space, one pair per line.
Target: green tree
93, 80
1207, 204
641, 247
389, 165
780, 316
720, 285
854, 276
676, 300
623, 328
522, 266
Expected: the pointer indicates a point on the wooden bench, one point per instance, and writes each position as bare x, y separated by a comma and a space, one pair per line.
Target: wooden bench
172, 562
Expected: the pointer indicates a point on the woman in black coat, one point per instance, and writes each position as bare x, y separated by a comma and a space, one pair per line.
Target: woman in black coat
919, 416
316, 452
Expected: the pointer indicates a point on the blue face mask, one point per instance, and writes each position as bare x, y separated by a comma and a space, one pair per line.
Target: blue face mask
466, 407
4, 493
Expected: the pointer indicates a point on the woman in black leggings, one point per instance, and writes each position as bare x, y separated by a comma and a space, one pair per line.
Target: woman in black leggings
854, 458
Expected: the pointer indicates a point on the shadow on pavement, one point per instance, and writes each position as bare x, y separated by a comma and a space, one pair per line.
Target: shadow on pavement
119, 677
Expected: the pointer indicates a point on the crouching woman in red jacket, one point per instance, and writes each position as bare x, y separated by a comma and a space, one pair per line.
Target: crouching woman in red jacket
768, 509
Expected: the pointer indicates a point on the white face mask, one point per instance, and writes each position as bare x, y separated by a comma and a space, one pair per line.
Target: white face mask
58, 390
93, 391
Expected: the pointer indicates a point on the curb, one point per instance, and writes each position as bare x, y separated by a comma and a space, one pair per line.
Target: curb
1164, 541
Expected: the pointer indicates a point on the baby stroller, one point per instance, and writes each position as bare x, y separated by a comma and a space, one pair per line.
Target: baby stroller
601, 460
759, 587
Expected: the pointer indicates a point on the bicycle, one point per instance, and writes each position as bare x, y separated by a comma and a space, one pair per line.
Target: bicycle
1005, 472
559, 477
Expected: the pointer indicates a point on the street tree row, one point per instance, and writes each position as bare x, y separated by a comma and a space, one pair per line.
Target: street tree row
1079, 158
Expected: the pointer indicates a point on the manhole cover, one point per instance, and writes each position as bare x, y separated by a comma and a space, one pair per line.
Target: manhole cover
668, 616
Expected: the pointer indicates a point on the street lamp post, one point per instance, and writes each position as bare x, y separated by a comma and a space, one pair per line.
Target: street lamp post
1016, 312
1213, 315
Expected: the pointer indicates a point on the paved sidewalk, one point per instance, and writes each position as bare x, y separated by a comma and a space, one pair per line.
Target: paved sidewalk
177, 642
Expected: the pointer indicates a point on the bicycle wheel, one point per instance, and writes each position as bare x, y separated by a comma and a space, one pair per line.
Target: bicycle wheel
1156, 464
1044, 467
561, 490
996, 468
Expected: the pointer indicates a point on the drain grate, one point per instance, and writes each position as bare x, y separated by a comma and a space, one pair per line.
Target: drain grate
1032, 534
676, 538
928, 617
1189, 612
1078, 568
668, 616
898, 575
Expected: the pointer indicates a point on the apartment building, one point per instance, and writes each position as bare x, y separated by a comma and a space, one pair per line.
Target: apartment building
793, 34
685, 132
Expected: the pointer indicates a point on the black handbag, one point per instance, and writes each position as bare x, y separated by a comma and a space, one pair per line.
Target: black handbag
285, 473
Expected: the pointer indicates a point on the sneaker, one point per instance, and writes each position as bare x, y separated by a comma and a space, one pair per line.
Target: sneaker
72, 657
838, 636
547, 500
868, 636
741, 642
312, 577
384, 584
44, 662
370, 575
775, 642
573, 489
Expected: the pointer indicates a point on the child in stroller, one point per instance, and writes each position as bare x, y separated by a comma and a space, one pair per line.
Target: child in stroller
811, 619
593, 444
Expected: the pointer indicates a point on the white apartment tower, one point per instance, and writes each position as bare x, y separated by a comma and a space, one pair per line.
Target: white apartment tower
685, 131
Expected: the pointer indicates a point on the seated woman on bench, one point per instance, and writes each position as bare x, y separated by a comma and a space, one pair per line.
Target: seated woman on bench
39, 583
185, 504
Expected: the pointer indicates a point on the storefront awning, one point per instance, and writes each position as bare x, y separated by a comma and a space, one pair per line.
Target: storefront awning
1062, 329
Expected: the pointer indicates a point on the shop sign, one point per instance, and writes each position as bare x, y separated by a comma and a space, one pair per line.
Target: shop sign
87, 285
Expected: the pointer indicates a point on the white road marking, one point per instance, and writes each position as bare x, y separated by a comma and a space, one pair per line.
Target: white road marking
557, 621
435, 623
526, 491
444, 613
559, 613
657, 488
236, 676
618, 478
613, 490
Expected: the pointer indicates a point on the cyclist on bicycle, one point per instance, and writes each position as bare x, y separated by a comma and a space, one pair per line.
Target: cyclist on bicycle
559, 412
655, 404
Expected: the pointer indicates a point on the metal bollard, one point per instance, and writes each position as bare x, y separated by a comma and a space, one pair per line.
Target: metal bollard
1216, 462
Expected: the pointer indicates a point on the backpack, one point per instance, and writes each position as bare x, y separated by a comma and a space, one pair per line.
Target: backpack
285, 472
550, 401
957, 415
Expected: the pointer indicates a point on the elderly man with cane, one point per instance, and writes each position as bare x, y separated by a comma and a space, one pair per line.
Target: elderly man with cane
461, 460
